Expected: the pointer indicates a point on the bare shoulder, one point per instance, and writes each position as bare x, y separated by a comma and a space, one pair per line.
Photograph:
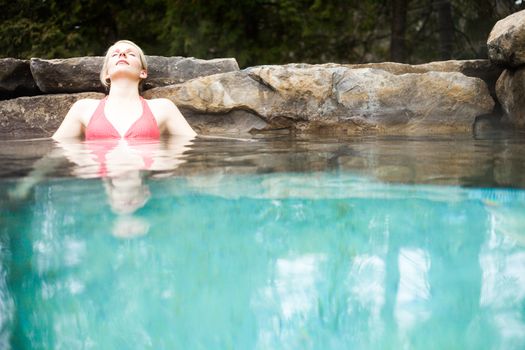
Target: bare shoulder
76, 118
169, 117
83, 109
163, 109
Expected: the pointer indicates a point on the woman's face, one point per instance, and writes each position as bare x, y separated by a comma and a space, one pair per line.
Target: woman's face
124, 59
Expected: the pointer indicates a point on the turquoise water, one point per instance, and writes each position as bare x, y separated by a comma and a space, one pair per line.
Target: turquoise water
331, 259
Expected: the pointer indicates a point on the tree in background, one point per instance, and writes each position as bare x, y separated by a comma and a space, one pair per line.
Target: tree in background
398, 30
445, 28
453, 29
271, 31
255, 31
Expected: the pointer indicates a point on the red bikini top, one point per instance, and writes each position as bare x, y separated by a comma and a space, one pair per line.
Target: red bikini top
99, 127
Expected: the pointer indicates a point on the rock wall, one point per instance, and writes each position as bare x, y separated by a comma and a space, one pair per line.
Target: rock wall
334, 98
217, 97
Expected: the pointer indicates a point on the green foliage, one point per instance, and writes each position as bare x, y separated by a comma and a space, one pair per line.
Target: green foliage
271, 31
252, 31
54, 28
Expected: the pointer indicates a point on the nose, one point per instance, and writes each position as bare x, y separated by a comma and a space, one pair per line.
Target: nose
122, 54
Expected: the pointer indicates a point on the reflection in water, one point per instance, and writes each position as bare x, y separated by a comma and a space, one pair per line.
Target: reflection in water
292, 294
295, 286
7, 307
126, 192
121, 164
496, 161
502, 261
366, 291
489, 162
413, 294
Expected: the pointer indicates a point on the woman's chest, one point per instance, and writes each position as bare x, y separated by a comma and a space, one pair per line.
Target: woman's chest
122, 118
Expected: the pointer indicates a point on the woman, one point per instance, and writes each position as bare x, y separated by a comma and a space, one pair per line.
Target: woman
123, 113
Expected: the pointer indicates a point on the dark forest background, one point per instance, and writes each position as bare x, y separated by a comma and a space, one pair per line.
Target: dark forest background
256, 31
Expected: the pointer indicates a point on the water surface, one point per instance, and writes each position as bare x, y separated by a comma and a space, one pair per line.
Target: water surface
266, 243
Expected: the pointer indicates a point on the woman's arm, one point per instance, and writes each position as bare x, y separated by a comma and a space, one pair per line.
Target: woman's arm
171, 118
73, 123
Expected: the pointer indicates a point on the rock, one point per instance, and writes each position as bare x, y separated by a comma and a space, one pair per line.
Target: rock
478, 68
82, 74
338, 98
482, 69
234, 122
217, 93
439, 101
37, 116
207, 112
506, 42
16, 79
510, 89
68, 75
174, 70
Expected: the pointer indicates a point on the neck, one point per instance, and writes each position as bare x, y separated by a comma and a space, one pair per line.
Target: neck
124, 90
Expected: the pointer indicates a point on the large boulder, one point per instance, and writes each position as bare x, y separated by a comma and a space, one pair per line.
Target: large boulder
69, 75
506, 46
338, 99
506, 42
510, 90
81, 74
16, 79
479, 68
476, 68
174, 70
37, 116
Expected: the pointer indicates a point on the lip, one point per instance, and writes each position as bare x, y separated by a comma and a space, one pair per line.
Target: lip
122, 61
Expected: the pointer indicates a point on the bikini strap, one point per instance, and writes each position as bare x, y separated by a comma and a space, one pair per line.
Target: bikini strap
99, 111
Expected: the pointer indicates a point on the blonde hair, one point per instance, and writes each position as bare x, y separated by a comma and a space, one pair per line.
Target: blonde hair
105, 81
